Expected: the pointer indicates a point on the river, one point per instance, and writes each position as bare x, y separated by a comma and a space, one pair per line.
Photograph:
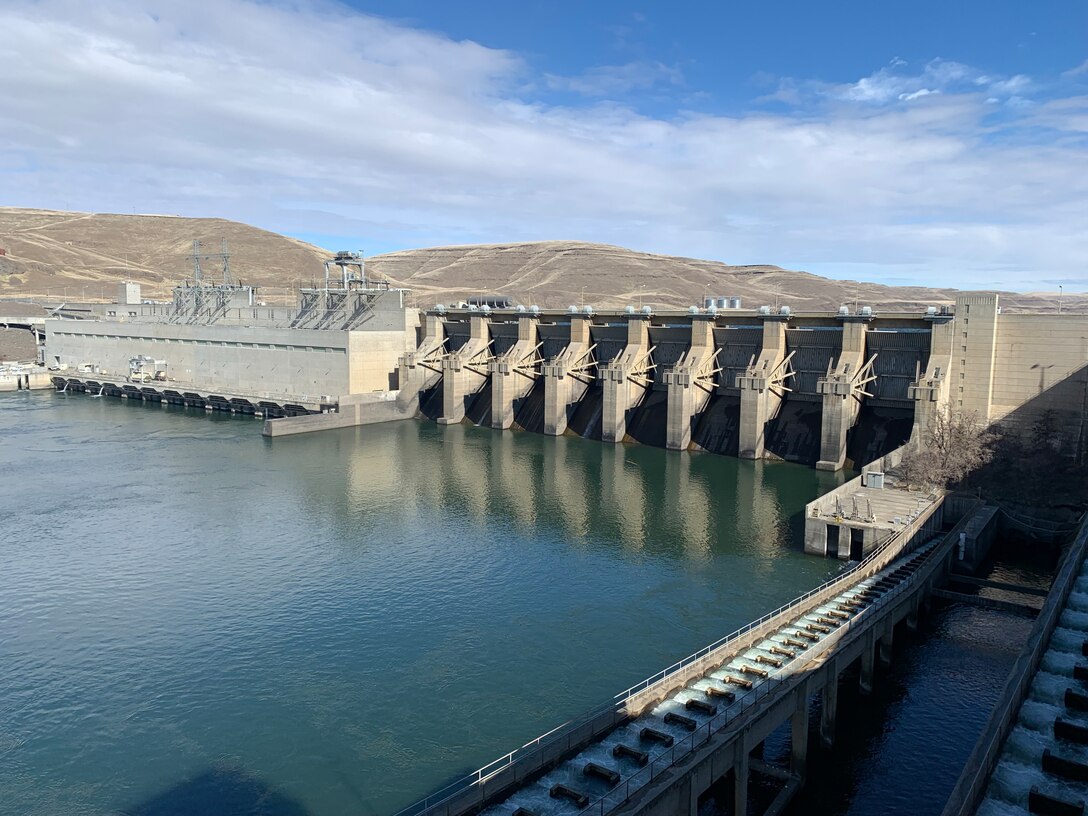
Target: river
342, 622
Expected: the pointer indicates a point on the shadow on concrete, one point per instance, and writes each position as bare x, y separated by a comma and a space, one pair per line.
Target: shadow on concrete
220, 791
1041, 456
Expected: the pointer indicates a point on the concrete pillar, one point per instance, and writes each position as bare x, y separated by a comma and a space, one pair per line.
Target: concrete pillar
562, 388
829, 708
740, 780
461, 371
868, 659
912, 616
620, 392
974, 351
799, 735
840, 394
759, 401
508, 381
686, 395
412, 375
886, 646
931, 390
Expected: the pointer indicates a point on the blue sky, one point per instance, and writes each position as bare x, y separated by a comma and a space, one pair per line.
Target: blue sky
931, 143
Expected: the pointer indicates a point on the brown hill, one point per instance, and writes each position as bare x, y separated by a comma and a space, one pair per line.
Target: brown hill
562, 273
49, 252
77, 255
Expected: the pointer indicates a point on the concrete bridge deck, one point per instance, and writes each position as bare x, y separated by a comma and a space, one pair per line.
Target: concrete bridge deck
661, 744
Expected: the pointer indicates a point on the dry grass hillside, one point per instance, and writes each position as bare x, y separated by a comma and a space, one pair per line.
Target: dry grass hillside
78, 254
48, 252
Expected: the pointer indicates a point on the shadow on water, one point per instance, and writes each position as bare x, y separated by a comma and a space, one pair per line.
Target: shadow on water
219, 791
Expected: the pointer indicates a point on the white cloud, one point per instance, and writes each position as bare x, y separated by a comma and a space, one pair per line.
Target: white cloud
612, 80
895, 82
907, 97
319, 119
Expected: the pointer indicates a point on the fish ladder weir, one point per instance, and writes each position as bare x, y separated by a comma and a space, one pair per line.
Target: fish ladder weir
656, 747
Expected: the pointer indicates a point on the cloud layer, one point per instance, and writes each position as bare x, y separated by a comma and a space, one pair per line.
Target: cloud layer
316, 119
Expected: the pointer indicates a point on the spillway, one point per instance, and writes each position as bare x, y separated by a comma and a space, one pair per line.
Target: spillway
822, 389
1045, 762
718, 429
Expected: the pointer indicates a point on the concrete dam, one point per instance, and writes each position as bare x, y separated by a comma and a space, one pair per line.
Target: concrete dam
829, 390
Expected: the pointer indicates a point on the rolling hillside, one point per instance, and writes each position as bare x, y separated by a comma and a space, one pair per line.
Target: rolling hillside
76, 255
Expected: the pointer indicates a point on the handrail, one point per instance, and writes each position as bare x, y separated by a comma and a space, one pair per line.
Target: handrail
775, 685
616, 704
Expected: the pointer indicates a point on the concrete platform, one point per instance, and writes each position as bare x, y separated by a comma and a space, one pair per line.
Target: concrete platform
850, 523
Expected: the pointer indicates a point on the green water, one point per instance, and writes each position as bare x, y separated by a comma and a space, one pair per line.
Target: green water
196, 619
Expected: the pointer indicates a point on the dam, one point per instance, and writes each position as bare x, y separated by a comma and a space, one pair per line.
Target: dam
827, 390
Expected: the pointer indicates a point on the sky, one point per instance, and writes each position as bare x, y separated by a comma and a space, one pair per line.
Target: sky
930, 143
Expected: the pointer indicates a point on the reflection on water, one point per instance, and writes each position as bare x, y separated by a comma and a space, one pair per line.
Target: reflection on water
345, 620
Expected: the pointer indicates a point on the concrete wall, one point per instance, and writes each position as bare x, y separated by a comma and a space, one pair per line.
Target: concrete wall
246, 360
1011, 368
361, 409
1040, 364
373, 356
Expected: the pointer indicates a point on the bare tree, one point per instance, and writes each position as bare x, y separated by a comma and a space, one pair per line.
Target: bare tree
956, 444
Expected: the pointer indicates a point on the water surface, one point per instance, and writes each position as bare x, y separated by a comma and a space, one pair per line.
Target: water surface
342, 622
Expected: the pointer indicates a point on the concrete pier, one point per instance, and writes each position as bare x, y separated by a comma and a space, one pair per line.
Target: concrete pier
691, 382
930, 391
626, 379
568, 376
464, 371
416, 369
763, 386
25, 380
842, 390
514, 372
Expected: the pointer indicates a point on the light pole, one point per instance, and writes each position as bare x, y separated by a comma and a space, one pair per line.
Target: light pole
1059, 298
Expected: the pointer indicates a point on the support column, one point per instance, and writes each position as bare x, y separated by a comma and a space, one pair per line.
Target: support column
464, 371
799, 735
513, 374
842, 390
740, 779
690, 382
761, 387
621, 391
829, 707
414, 368
930, 391
868, 659
567, 377
886, 646
912, 616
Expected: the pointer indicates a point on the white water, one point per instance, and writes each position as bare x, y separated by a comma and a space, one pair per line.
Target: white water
1019, 768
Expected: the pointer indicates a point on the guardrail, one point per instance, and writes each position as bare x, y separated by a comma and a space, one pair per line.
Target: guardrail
568, 735
775, 687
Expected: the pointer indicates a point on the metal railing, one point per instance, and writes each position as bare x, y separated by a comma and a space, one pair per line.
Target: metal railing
773, 687
567, 736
